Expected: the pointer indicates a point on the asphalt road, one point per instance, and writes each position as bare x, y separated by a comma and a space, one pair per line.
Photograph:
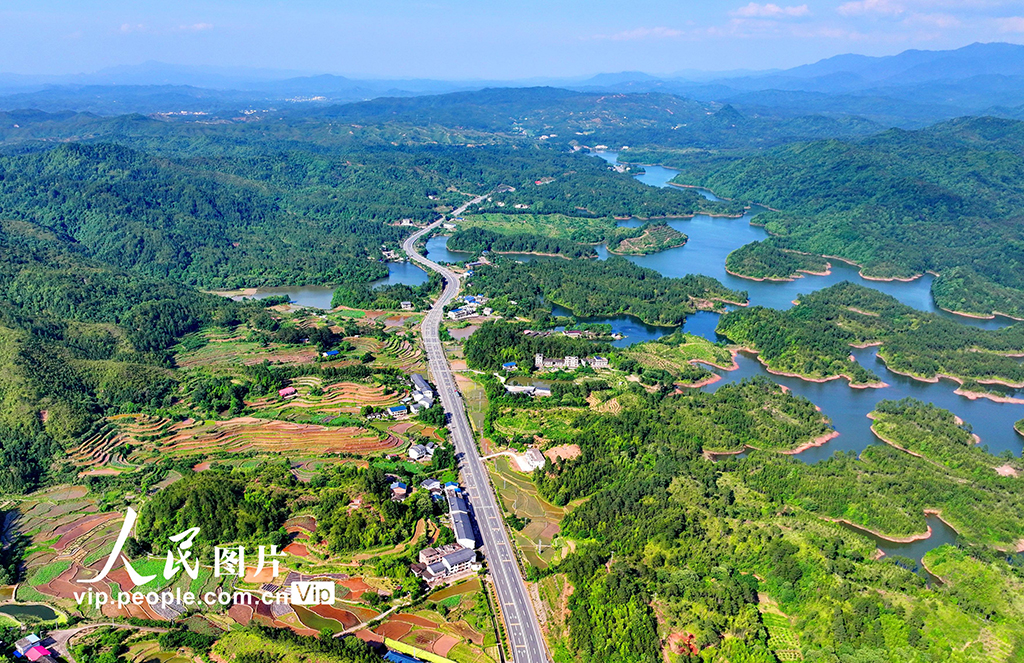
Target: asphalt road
516, 608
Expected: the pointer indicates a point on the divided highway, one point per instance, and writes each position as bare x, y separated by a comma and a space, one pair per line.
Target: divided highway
520, 621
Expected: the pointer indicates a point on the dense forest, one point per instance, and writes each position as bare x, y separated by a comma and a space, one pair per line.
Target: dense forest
899, 203
80, 339
479, 240
763, 260
649, 119
591, 288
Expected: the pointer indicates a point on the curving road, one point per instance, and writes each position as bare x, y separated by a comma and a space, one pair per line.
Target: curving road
516, 608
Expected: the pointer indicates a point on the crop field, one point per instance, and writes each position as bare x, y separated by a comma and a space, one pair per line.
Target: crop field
653, 239
237, 351
519, 496
456, 627
155, 436
71, 540
781, 638
676, 352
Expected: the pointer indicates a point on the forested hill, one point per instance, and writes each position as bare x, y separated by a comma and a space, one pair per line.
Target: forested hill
77, 339
653, 119
899, 203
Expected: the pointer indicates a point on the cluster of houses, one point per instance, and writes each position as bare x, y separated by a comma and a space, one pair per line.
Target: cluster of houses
31, 647
421, 398
570, 333
569, 362
453, 561
473, 305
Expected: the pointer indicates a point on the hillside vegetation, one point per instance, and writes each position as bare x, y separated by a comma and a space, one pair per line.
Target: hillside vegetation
900, 203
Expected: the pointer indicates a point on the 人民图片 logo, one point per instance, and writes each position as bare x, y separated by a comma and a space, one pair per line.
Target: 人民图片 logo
227, 562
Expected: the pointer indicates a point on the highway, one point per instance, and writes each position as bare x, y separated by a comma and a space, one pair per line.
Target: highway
521, 623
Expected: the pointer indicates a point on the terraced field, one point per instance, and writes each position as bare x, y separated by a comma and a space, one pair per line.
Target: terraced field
193, 437
519, 496
678, 353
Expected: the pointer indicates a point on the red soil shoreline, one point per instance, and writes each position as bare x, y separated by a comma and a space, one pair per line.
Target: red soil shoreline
891, 539
960, 391
819, 441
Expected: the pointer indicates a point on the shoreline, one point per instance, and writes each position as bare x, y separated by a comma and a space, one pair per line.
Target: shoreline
980, 316
704, 188
681, 217
711, 379
798, 274
874, 431
650, 253
960, 381
891, 539
849, 379
819, 441
860, 272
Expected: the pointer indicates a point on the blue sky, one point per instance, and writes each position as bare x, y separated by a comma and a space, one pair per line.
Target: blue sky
465, 39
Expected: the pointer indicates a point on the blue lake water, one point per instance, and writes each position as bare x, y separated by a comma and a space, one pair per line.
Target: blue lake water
319, 296
437, 250
658, 176
405, 273
711, 239
312, 296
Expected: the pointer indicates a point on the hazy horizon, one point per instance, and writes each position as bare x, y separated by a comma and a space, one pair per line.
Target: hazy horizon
460, 40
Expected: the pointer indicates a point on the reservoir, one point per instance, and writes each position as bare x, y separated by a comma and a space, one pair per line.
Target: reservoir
319, 296
404, 273
711, 239
312, 296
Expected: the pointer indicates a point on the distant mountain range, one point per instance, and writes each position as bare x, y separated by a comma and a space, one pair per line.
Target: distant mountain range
910, 89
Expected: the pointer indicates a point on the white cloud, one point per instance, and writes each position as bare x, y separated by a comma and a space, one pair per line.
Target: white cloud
643, 33
127, 28
770, 10
858, 7
1011, 24
196, 27
941, 21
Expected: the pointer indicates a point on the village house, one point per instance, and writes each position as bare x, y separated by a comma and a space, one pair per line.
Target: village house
435, 565
399, 491
28, 642
422, 452
532, 460
458, 512
397, 411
